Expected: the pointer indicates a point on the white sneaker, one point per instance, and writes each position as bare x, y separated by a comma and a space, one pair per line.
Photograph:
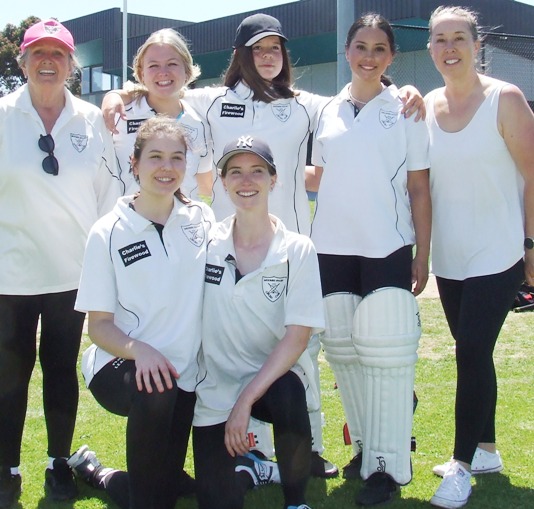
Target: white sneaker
484, 462
454, 490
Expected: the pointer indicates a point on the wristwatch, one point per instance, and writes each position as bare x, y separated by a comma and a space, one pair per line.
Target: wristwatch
529, 243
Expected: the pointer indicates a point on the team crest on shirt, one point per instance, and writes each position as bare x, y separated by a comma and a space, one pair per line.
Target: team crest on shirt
192, 132
281, 111
387, 118
274, 287
79, 141
195, 233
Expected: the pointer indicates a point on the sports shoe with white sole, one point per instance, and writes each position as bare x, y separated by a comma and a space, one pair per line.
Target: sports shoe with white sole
454, 490
484, 462
87, 467
262, 471
301, 506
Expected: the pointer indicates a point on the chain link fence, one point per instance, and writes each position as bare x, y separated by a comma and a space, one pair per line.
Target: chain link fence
509, 57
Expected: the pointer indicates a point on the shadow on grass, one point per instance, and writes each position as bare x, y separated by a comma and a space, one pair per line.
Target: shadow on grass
496, 492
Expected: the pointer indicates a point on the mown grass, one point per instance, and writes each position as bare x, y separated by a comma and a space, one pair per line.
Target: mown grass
433, 427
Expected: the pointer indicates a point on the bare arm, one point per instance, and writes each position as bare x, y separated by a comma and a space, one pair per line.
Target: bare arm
151, 365
205, 184
312, 176
516, 123
113, 104
419, 191
282, 358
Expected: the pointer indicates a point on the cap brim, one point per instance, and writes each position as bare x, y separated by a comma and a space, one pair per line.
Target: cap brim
50, 37
223, 160
258, 37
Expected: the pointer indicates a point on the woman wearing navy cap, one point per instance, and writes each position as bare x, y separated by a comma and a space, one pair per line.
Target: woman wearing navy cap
262, 283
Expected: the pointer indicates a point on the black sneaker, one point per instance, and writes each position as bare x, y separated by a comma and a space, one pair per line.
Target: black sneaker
10, 487
59, 482
322, 468
352, 469
378, 488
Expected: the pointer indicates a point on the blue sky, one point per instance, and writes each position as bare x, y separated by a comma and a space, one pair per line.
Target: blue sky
14, 11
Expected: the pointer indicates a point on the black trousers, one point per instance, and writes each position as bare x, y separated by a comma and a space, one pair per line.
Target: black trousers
59, 344
157, 435
283, 405
475, 310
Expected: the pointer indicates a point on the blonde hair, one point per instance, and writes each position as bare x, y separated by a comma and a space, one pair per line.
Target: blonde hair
172, 38
469, 16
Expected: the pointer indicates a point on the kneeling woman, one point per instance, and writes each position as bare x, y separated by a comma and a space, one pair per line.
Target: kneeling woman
262, 298
142, 285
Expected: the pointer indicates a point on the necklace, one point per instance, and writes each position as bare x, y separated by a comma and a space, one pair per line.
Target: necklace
354, 100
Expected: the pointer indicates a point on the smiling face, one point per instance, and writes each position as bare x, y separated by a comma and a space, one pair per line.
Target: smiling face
268, 58
369, 53
452, 46
248, 180
160, 168
163, 71
47, 63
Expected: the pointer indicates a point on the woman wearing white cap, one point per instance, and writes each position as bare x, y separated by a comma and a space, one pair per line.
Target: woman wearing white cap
262, 299
56, 178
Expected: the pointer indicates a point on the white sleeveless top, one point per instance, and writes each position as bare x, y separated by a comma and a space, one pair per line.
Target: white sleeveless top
477, 196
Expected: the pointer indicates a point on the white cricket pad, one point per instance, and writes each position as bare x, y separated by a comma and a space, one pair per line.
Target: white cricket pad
316, 416
343, 359
386, 335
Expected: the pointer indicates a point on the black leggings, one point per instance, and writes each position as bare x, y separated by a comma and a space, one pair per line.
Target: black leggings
475, 310
59, 344
157, 435
283, 405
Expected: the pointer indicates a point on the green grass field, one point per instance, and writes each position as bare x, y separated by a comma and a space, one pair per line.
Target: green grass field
433, 428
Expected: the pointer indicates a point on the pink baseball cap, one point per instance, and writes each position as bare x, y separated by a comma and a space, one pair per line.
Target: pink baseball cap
50, 29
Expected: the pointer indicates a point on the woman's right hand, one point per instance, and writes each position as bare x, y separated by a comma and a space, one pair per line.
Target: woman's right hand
152, 367
113, 104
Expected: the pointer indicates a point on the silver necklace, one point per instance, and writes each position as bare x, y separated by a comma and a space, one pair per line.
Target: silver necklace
354, 100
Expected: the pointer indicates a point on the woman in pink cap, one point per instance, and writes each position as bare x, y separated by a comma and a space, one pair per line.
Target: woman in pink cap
56, 178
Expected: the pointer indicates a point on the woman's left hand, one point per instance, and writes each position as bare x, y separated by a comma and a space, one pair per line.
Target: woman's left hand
413, 102
235, 436
419, 275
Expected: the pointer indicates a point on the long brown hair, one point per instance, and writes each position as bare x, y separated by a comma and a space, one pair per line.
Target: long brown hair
242, 68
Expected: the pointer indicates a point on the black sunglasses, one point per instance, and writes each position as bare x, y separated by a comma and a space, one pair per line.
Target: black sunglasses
50, 163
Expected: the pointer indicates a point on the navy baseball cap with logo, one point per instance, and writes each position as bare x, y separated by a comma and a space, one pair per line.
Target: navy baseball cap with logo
248, 144
256, 27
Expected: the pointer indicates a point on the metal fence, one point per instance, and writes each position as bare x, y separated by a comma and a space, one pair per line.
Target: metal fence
509, 57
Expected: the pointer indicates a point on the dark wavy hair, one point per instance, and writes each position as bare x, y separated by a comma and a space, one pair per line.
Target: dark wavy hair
242, 68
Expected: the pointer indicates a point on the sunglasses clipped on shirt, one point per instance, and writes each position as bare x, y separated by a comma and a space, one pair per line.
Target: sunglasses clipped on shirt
50, 163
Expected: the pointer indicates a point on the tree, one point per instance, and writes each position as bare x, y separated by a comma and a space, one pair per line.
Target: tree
11, 76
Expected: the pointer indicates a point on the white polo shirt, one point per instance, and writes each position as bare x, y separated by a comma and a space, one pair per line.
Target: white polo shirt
244, 321
363, 206
284, 124
477, 196
198, 156
153, 285
45, 219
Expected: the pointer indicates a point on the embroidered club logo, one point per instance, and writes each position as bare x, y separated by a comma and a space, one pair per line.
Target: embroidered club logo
388, 118
52, 29
192, 132
79, 141
281, 111
194, 233
273, 287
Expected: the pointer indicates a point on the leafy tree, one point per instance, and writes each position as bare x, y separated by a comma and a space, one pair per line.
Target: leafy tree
11, 76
